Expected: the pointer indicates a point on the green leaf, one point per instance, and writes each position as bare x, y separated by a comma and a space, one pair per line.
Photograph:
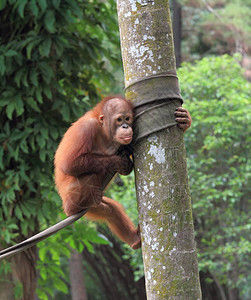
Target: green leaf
42, 155
16, 103
59, 47
19, 105
10, 53
19, 59
43, 273
41, 141
45, 133
47, 72
31, 46
9, 110
42, 253
25, 212
18, 77
56, 3
47, 92
2, 65
42, 4
21, 7
24, 226
38, 93
42, 294
24, 146
32, 225
54, 133
89, 246
45, 47
33, 104
22, 174
24, 78
17, 135
33, 7
60, 285
67, 63
2, 4
80, 247
13, 226
66, 113
1, 158
18, 213
49, 21
7, 236
34, 77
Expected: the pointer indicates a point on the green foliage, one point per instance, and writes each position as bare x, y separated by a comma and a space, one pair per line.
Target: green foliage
47, 80
123, 190
230, 22
54, 253
215, 27
217, 148
56, 58
18, 290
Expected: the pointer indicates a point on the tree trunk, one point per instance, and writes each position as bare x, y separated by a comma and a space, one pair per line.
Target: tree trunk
220, 287
177, 30
168, 246
24, 270
6, 287
78, 290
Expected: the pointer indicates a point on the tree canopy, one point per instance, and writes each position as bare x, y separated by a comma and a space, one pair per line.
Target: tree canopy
53, 63
53, 67
218, 97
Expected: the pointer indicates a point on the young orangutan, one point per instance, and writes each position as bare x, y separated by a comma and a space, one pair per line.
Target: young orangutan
88, 152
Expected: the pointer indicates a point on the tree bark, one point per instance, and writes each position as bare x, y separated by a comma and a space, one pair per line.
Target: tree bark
177, 30
165, 214
78, 290
220, 287
6, 287
24, 270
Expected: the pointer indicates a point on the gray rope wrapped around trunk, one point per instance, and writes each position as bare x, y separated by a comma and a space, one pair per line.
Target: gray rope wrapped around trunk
154, 99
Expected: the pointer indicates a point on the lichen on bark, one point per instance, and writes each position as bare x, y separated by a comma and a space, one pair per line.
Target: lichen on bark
165, 215
142, 45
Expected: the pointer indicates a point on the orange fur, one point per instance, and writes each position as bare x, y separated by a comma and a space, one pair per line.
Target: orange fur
87, 152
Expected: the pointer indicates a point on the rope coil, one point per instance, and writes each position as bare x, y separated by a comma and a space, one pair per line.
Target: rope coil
155, 99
